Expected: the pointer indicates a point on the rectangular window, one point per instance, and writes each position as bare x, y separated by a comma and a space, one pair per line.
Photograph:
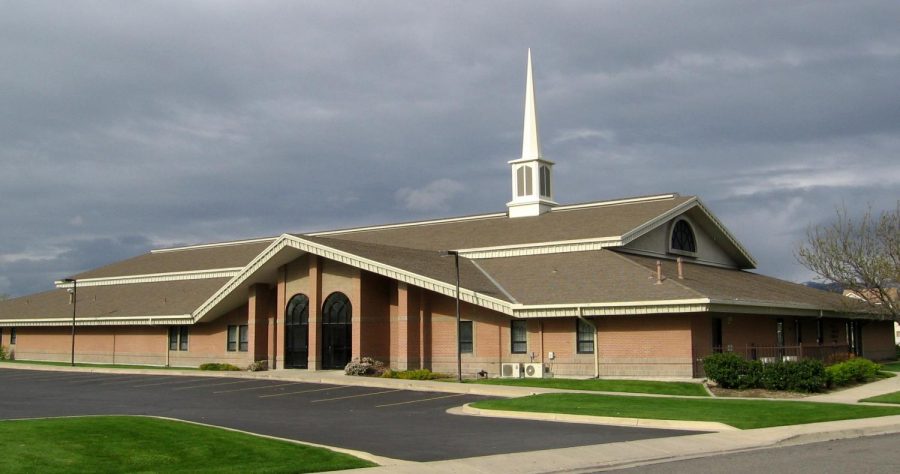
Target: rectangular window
183, 338
798, 328
466, 340
779, 332
12, 336
717, 335
820, 332
518, 337
232, 339
584, 337
243, 330
173, 338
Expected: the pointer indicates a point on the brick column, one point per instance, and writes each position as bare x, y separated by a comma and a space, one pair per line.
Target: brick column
277, 330
314, 292
400, 329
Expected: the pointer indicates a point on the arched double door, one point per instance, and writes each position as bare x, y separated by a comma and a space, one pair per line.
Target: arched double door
337, 332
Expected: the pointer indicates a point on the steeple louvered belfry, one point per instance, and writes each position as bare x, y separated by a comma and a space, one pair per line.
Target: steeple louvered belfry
532, 190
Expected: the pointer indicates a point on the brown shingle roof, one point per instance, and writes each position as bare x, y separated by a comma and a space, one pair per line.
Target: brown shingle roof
203, 258
142, 299
557, 225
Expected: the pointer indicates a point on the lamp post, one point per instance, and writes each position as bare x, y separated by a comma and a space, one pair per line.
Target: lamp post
74, 292
455, 255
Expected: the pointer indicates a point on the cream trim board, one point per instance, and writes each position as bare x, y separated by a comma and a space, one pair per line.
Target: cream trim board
154, 277
405, 224
220, 244
180, 319
614, 202
542, 248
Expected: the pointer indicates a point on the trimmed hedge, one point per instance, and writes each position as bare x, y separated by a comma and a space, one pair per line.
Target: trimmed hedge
420, 374
853, 371
730, 370
218, 367
2, 353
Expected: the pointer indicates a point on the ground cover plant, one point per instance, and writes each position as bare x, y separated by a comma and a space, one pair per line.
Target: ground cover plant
113, 444
886, 398
606, 385
743, 414
420, 374
104, 366
219, 367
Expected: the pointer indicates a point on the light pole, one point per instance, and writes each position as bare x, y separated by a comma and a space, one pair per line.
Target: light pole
455, 255
74, 292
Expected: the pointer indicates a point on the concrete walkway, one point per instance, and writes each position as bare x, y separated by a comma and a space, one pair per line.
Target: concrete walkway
855, 394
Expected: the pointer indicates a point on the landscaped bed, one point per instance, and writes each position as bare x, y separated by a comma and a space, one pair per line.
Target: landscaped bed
743, 414
137, 444
603, 385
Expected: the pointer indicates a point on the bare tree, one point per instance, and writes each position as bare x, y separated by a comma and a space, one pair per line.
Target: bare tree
863, 256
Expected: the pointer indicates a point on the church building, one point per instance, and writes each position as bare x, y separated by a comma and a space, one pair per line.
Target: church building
640, 286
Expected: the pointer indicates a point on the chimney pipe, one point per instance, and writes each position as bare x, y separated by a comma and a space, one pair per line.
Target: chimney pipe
680, 268
658, 272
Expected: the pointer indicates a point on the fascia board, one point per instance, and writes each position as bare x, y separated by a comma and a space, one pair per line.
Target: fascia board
541, 248
101, 321
153, 277
731, 238
642, 229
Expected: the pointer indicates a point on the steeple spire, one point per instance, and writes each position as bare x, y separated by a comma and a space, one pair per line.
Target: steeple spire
532, 193
531, 143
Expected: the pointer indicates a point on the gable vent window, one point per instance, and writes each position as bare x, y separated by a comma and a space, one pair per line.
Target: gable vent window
683, 237
545, 181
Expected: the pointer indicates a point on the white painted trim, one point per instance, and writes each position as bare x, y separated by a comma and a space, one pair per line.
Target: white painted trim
405, 224
615, 202
665, 256
658, 220
180, 319
214, 245
154, 277
541, 248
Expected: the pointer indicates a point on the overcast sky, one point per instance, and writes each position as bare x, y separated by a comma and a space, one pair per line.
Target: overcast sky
126, 126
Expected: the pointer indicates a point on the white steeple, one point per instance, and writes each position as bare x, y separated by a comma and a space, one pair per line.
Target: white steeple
532, 192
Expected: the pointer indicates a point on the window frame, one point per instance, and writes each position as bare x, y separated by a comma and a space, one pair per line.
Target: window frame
12, 336
513, 342
173, 338
690, 226
463, 348
243, 338
231, 337
581, 324
544, 179
183, 337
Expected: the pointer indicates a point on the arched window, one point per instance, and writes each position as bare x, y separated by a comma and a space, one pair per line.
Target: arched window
296, 333
336, 309
523, 181
683, 237
545, 181
337, 331
298, 310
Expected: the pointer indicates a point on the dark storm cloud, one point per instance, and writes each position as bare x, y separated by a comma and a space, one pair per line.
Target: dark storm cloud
188, 122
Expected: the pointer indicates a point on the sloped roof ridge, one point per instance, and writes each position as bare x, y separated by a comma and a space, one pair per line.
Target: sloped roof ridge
567, 207
675, 281
214, 244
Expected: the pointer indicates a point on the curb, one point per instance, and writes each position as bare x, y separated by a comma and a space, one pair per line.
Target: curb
704, 426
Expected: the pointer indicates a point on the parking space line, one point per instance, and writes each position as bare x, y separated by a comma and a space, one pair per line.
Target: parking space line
307, 391
213, 384
418, 401
258, 388
126, 380
89, 379
355, 396
169, 382
61, 376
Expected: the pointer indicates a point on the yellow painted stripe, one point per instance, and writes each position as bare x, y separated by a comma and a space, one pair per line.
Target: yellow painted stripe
213, 384
259, 388
168, 382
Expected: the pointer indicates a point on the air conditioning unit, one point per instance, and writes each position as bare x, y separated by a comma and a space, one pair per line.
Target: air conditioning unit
513, 371
534, 370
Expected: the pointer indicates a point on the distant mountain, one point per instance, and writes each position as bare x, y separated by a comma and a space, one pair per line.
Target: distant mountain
832, 287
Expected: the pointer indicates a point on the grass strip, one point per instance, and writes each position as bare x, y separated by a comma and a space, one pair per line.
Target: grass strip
114, 444
886, 398
743, 414
104, 366
891, 367
603, 385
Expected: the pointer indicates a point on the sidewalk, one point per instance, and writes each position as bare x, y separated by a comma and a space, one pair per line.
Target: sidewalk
855, 394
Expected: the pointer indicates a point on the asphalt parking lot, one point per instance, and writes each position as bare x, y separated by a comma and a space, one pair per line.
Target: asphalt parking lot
400, 424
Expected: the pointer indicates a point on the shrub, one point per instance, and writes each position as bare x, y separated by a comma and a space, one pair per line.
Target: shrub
775, 376
218, 367
420, 374
856, 370
2, 353
727, 369
897, 352
808, 375
364, 366
258, 366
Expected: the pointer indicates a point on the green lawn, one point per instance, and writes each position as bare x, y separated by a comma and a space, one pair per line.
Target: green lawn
886, 398
601, 385
743, 414
105, 366
892, 366
116, 444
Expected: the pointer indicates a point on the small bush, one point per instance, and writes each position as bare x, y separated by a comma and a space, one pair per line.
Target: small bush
730, 370
2, 353
218, 367
775, 376
726, 369
420, 374
258, 366
856, 370
808, 375
364, 366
